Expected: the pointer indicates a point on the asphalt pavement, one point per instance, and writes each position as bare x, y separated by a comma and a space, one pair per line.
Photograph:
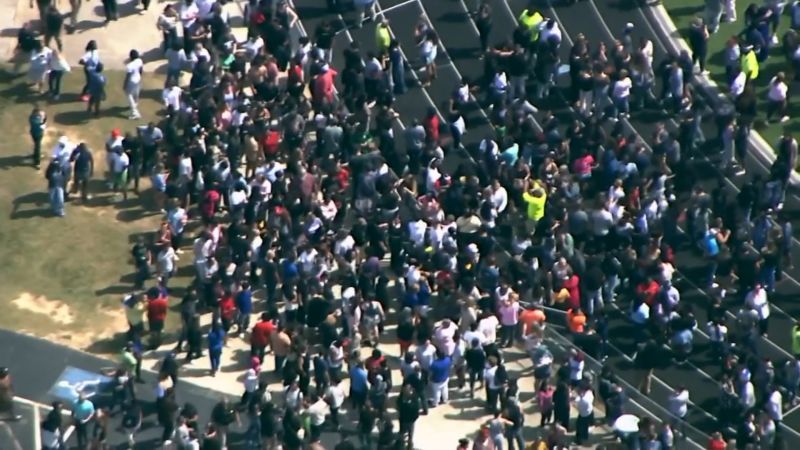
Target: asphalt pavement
602, 20
36, 365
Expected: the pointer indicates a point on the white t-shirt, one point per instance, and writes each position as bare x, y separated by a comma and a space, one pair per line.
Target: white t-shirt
488, 327
777, 90
416, 231
622, 88
172, 97
188, 14
738, 84
134, 71
121, 162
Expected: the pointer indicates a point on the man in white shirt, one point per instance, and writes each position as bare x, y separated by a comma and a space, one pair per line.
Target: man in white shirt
774, 405
133, 83
317, 410
757, 301
621, 93
738, 83
119, 170
584, 403
488, 327
678, 404
776, 97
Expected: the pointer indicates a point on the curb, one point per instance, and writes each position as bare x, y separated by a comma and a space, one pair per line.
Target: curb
764, 152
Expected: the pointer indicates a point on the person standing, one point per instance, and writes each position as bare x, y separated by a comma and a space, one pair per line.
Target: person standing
157, 307
584, 402
83, 413
216, 340
37, 123
83, 168
95, 89
678, 404
133, 83
52, 428
483, 22
56, 179
53, 24
408, 408
698, 42
223, 416
7, 396
440, 377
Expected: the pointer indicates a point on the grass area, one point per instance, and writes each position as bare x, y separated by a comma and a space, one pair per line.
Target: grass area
63, 278
683, 12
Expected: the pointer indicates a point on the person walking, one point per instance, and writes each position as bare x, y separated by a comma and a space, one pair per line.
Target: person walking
698, 42
440, 377
37, 124
53, 25
52, 428
133, 83
216, 340
83, 413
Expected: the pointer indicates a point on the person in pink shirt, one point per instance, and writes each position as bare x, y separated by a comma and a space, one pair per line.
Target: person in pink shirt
509, 318
544, 398
443, 337
323, 85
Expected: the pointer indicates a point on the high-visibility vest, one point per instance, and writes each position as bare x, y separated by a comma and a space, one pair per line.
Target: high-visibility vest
535, 205
796, 341
532, 23
749, 65
383, 38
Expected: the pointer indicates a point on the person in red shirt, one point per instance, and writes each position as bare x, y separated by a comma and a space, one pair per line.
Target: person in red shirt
648, 291
717, 442
210, 203
431, 125
259, 336
157, 307
572, 285
323, 85
227, 310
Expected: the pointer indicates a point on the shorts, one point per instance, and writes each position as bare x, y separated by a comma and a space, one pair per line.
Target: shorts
121, 179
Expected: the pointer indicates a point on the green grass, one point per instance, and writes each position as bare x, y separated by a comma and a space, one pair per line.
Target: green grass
76, 266
683, 12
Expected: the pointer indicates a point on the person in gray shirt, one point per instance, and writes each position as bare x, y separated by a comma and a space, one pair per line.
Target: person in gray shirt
415, 144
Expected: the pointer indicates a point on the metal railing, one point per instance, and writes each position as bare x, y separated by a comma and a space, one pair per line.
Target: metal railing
636, 403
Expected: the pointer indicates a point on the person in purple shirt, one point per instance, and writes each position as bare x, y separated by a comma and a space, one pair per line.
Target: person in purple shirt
439, 378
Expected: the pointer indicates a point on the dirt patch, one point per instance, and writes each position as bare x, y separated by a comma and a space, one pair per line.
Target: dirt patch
97, 341
56, 310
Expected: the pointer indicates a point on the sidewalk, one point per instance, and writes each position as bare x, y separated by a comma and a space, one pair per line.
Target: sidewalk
135, 29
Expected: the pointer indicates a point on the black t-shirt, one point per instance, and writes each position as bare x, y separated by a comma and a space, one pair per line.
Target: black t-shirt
223, 414
324, 38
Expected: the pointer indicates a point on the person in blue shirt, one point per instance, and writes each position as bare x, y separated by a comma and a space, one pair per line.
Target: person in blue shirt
83, 413
216, 340
96, 89
244, 303
358, 385
439, 377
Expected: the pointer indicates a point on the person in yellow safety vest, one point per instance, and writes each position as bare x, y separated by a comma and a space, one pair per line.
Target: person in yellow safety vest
383, 38
532, 21
536, 199
796, 340
749, 62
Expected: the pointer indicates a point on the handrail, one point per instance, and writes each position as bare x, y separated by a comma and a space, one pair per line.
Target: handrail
635, 402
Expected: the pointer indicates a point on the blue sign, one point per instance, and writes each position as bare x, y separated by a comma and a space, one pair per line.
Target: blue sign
74, 381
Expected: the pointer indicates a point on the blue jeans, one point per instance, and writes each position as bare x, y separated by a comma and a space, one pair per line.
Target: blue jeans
514, 434
214, 355
767, 277
57, 200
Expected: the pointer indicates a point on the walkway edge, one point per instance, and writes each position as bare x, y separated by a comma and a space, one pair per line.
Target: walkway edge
764, 152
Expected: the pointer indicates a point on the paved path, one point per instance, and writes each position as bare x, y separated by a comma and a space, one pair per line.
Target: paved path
135, 29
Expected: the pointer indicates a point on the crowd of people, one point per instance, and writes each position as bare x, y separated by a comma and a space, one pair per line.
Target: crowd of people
287, 204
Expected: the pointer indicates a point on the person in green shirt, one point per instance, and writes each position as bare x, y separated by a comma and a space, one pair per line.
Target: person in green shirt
37, 123
535, 200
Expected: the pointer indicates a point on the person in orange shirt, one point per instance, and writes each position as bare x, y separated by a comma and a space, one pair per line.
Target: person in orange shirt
576, 320
530, 316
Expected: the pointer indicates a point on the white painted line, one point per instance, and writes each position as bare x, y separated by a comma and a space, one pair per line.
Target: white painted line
399, 5
37, 435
